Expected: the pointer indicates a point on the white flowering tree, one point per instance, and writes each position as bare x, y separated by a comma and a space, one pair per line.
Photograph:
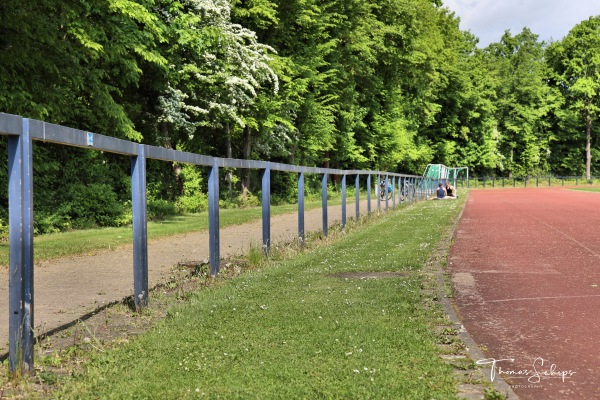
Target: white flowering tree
208, 95
217, 71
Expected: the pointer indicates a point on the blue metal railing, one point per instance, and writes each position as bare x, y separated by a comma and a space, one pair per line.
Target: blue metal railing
22, 131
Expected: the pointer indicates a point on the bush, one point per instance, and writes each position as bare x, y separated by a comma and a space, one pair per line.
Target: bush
94, 204
44, 222
159, 208
192, 204
248, 200
3, 230
193, 199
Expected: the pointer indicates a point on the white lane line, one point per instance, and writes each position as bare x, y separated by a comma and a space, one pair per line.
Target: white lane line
542, 298
593, 252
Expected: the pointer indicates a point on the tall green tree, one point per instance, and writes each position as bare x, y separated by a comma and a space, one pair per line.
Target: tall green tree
576, 62
71, 62
525, 102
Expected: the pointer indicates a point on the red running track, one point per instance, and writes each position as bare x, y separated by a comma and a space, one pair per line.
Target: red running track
525, 266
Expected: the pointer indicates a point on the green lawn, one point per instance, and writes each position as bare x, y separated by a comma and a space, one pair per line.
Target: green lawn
587, 189
292, 330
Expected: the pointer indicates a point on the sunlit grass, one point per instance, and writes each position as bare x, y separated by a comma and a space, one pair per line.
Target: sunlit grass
529, 183
587, 189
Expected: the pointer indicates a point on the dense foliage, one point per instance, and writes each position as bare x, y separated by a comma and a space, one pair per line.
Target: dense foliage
383, 84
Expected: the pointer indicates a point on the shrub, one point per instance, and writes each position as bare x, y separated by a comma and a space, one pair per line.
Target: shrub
3, 230
192, 204
193, 199
160, 208
248, 200
93, 204
44, 222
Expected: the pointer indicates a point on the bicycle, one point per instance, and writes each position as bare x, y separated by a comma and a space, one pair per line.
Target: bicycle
382, 190
407, 190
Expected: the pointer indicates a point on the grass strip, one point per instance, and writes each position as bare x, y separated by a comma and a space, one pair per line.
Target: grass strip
297, 328
587, 189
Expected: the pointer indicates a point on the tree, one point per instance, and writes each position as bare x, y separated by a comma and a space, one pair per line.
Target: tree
525, 102
576, 62
70, 62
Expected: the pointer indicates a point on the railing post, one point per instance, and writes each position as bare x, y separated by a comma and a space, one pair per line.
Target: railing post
213, 219
393, 192
401, 190
357, 189
140, 228
378, 192
387, 179
301, 208
324, 202
20, 225
429, 191
369, 194
344, 201
266, 209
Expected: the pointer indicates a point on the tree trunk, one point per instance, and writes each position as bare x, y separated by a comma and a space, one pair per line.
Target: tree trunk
166, 137
588, 144
247, 151
229, 175
175, 169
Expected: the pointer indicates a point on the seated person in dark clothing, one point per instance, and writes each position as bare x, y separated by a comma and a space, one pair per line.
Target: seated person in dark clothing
450, 191
440, 193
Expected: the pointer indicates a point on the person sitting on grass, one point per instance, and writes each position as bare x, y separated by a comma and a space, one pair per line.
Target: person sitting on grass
440, 193
451, 191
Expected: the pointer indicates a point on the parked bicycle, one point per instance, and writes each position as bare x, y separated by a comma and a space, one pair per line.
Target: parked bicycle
405, 190
382, 190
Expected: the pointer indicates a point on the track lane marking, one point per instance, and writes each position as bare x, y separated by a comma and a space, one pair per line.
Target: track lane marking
542, 298
571, 238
